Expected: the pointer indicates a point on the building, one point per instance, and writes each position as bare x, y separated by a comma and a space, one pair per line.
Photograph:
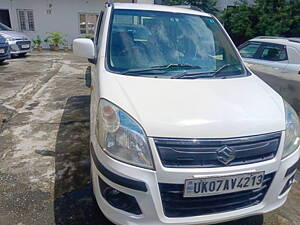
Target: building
222, 4
72, 18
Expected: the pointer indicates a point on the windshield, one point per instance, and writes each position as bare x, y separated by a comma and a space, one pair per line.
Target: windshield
157, 43
4, 27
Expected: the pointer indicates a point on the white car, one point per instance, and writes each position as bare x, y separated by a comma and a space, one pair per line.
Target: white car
273, 56
19, 43
181, 131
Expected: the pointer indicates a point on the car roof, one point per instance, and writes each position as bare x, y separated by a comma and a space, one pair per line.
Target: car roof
295, 42
162, 8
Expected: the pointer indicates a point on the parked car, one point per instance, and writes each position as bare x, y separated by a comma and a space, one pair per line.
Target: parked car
19, 43
272, 55
4, 49
181, 131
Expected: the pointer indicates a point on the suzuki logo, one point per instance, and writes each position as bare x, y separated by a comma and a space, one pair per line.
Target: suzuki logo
225, 154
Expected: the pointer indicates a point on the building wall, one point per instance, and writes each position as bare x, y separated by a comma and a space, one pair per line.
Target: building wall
222, 4
64, 15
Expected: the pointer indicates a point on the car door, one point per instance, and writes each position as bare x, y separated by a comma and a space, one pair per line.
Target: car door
293, 68
272, 59
249, 52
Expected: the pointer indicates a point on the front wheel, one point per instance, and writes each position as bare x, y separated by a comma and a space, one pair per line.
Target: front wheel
2, 60
22, 54
253, 220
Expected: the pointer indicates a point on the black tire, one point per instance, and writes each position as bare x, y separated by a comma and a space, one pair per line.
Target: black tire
22, 54
258, 220
253, 220
2, 60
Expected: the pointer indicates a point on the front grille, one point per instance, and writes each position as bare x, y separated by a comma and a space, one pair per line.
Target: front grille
21, 43
205, 153
175, 205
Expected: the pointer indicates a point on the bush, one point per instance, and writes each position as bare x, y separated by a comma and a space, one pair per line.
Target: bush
264, 18
55, 39
240, 22
37, 41
89, 36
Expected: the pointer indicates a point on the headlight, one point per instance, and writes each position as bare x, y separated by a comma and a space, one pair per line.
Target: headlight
121, 137
292, 131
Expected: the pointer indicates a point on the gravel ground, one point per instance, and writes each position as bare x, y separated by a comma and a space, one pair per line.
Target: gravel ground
44, 144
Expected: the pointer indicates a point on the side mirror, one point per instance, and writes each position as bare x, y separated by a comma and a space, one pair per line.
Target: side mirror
84, 47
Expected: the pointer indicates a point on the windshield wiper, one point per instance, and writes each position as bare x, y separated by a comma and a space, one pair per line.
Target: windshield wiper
222, 68
202, 74
163, 67
192, 75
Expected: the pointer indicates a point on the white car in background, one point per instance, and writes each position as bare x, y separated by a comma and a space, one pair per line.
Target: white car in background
181, 131
19, 43
272, 55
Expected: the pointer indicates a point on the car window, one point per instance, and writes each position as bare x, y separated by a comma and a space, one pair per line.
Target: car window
142, 39
249, 50
4, 27
273, 53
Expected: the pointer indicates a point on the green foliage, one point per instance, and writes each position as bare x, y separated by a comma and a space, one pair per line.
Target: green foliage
89, 36
275, 18
264, 18
208, 6
37, 41
55, 38
294, 30
240, 21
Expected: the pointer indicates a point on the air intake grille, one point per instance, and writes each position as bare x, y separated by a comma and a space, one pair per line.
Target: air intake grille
205, 153
175, 205
21, 45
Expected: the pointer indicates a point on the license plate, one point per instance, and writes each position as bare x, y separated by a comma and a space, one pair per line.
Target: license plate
25, 46
222, 185
2, 51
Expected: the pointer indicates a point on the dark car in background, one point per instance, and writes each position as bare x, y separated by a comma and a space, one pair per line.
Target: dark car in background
4, 49
19, 43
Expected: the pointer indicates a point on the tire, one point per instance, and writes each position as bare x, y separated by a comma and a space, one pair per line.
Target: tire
22, 54
2, 60
253, 220
258, 220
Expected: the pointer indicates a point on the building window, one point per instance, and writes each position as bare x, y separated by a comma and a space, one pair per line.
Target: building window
26, 21
87, 22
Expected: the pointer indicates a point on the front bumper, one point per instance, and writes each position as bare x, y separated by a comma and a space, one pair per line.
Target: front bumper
150, 202
16, 46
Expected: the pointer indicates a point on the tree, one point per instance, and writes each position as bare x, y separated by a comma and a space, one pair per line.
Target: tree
264, 18
208, 6
294, 29
239, 21
274, 18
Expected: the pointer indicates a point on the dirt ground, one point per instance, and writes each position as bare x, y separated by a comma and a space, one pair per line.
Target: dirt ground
44, 144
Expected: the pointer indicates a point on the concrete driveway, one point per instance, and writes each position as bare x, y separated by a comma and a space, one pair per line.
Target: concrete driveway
44, 146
